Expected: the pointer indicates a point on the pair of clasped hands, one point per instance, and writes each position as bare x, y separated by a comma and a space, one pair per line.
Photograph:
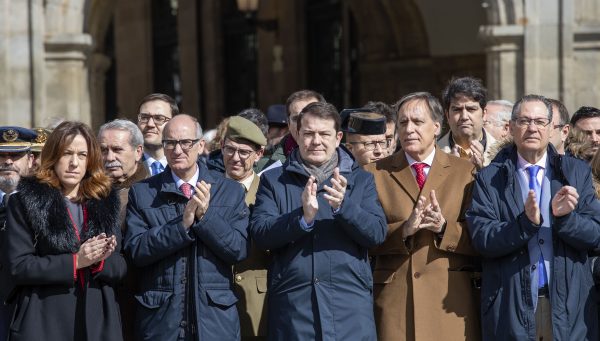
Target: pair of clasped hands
563, 203
425, 217
335, 195
95, 249
197, 205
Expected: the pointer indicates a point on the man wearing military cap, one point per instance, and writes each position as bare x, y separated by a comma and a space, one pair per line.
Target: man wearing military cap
365, 135
278, 124
37, 144
15, 161
242, 146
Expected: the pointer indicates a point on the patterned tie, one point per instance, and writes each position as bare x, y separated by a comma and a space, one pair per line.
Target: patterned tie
156, 167
186, 189
534, 185
420, 174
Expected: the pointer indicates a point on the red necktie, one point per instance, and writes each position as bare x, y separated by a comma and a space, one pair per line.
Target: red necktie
420, 174
186, 189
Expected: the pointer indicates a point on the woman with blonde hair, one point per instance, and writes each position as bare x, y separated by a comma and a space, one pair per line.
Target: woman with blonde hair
61, 244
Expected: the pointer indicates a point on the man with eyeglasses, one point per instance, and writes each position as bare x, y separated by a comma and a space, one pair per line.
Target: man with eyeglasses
16, 161
154, 111
391, 133
365, 135
186, 228
242, 146
534, 217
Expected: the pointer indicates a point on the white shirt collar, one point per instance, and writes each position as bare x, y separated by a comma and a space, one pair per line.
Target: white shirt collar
149, 160
192, 181
523, 164
428, 160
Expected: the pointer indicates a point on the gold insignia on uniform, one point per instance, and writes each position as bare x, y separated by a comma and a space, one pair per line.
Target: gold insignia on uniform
42, 136
10, 135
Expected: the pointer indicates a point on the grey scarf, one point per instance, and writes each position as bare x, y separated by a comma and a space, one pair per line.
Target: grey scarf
324, 171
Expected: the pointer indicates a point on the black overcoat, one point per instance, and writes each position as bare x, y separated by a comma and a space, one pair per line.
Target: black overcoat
52, 301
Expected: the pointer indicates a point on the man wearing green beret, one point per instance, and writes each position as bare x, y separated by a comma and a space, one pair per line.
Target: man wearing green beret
242, 147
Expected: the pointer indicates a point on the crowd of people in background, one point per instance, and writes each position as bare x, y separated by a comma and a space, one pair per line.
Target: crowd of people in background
459, 218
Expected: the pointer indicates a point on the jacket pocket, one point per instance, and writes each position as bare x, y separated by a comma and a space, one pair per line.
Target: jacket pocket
383, 276
261, 285
222, 298
153, 299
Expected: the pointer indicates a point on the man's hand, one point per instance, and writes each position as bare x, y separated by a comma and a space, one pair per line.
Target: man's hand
433, 219
335, 194
532, 210
310, 204
197, 205
564, 201
477, 154
93, 250
202, 196
412, 225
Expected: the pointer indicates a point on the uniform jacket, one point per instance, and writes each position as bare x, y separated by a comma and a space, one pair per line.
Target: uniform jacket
444, 144
50, 304
185, 283
250, 275
423, 287
500, 231
320, 283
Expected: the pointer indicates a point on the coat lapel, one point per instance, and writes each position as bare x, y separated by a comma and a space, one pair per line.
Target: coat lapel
403, 175
438, 172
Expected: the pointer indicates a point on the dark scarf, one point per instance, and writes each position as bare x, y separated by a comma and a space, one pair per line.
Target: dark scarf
46, 213
322, 172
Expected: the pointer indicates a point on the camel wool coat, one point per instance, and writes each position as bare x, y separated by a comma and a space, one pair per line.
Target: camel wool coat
424, 286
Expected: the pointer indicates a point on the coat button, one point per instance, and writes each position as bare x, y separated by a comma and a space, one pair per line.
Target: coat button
541, 241
451, 247
316, 281
533, 267
417, 274
183, 324
183, 280
238, 278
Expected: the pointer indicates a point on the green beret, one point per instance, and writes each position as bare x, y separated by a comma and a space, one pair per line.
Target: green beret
241, 128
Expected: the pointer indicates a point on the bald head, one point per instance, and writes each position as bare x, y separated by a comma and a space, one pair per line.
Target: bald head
182, 141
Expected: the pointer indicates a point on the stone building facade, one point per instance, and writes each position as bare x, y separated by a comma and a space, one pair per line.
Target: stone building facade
93, 60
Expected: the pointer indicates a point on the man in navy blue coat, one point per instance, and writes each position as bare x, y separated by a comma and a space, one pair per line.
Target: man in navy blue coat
318, 214
533, 218
186, 227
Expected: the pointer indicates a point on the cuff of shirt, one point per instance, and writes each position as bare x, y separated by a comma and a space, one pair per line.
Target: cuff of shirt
304, 225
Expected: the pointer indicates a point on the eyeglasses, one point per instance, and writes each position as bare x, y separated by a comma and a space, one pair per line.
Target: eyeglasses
559, 126
370, 146
185, 144
158, 119
526, 122
243, 153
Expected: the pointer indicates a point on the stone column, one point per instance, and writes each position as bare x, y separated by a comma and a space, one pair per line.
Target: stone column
99, 64
21, 62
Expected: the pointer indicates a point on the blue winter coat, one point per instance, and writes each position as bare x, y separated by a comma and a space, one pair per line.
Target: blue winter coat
179, 266
500, 231
320, 284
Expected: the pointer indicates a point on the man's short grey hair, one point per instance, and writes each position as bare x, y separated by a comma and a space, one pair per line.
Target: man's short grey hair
135, 134
516, 111
504, 115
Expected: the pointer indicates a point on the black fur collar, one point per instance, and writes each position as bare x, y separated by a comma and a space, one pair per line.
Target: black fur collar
47, 215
